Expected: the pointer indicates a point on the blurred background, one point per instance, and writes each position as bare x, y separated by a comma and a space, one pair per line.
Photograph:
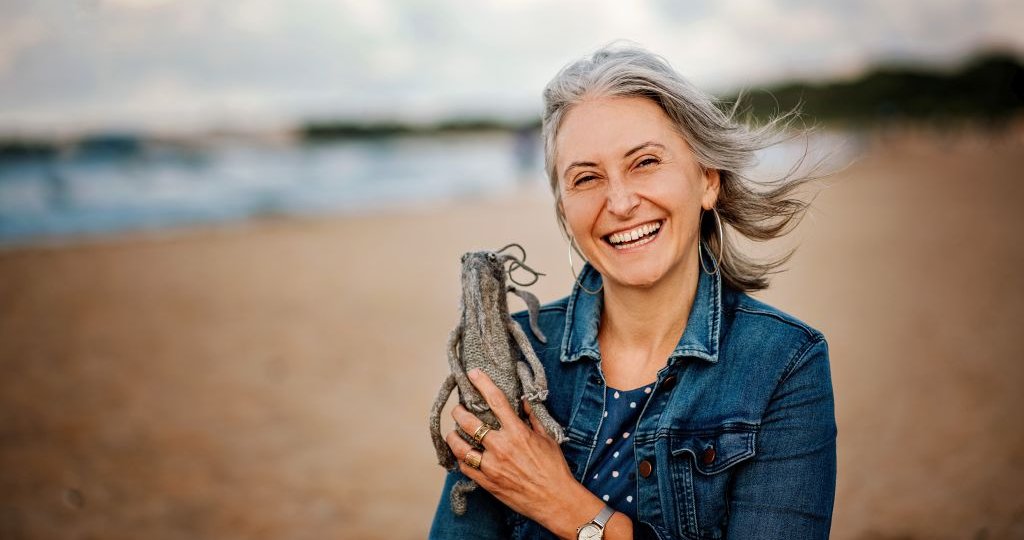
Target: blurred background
230, 233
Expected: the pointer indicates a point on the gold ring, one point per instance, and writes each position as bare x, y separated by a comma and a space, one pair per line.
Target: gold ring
473, 459
481, 432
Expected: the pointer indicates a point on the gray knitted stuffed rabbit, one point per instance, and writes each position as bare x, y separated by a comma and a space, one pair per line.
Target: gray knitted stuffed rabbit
487, 338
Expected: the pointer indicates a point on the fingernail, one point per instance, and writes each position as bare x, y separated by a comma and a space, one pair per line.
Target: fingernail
474, 373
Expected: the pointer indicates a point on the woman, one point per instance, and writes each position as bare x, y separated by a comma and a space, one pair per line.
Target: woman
692, 410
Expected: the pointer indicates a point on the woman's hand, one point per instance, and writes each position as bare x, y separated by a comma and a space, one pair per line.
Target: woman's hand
522, 465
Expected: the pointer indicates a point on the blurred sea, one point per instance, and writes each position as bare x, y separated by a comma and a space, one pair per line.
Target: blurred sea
119, 183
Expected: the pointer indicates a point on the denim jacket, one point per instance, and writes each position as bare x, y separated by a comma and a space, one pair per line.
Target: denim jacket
737, 440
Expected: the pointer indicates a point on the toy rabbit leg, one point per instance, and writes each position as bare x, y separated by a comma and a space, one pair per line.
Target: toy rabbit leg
444, 452
539, 378
458, 495
532, 394
535, 385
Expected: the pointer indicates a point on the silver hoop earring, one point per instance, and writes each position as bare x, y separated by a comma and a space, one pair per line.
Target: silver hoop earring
577, 278
721, 244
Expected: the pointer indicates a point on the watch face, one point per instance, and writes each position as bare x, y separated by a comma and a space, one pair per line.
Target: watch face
590, 531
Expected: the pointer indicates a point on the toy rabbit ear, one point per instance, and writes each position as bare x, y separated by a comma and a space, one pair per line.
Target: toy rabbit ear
516, 264
533, 311
514, 245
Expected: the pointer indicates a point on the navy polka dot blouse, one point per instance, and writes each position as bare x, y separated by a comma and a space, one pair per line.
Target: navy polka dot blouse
612, 473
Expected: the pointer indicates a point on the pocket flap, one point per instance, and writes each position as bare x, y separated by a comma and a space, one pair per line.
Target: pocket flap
714, 451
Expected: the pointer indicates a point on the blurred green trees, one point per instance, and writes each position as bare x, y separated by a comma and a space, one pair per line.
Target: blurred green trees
989, 88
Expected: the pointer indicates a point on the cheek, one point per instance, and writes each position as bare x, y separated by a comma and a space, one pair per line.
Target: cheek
578, 217
682, 194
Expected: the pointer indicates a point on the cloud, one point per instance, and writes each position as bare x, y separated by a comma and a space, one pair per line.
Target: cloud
121, 62
19, 36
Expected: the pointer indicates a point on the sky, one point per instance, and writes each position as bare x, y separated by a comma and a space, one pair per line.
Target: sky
172, 65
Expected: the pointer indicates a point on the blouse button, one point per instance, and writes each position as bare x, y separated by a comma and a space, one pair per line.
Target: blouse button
645, 468
708, 457
668, 383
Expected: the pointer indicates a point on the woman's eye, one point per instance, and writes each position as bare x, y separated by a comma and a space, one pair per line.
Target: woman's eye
647, 162
583, 180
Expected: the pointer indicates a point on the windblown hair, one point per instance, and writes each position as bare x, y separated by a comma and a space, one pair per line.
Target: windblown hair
759, 211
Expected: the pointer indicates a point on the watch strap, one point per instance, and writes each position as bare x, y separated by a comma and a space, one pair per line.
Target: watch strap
603, 516
599, 521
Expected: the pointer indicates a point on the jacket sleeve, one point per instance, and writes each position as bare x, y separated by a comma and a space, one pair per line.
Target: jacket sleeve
486, 517
788, 488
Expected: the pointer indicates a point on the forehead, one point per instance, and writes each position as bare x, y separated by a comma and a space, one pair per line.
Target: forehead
611, 125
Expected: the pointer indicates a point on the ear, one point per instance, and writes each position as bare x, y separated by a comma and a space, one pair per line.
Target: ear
712, 184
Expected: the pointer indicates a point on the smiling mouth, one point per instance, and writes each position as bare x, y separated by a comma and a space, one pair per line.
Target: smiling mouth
634, 237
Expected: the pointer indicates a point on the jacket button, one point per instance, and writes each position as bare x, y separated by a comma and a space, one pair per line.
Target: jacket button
645, 468
668, 383
708, 457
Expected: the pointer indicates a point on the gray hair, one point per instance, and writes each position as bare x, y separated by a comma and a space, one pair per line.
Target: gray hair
759, 211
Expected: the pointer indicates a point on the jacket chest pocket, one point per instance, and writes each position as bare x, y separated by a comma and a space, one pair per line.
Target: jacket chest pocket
703, 464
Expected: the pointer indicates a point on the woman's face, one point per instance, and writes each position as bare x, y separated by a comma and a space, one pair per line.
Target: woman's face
625, 173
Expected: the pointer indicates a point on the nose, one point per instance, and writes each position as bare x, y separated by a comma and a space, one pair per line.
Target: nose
622, 198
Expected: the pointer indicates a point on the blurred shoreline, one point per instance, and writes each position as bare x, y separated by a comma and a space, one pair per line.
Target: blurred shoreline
112, 186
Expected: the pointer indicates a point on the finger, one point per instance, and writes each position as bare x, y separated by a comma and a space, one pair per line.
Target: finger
460, 448
467, 420
474, 474
495, 398
458, 445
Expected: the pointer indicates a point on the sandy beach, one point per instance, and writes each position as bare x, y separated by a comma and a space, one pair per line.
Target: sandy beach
272, 379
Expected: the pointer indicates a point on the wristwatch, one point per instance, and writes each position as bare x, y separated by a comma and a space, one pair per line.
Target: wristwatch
594, 529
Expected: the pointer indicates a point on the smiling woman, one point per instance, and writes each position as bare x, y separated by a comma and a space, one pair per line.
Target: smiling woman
716, 143
691, 409
631, 208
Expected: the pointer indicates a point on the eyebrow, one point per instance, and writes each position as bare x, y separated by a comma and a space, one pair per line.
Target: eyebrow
641, 146
630, 152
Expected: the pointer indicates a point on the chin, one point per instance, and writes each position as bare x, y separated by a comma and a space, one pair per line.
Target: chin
641, 278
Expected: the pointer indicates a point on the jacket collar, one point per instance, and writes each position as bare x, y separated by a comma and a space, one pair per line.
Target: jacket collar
583, 316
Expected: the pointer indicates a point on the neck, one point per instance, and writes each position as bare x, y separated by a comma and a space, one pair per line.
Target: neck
648, 322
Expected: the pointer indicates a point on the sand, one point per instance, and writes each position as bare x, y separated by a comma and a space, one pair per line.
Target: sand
272, 379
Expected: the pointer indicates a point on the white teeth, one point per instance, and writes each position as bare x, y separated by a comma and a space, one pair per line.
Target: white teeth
635, 234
